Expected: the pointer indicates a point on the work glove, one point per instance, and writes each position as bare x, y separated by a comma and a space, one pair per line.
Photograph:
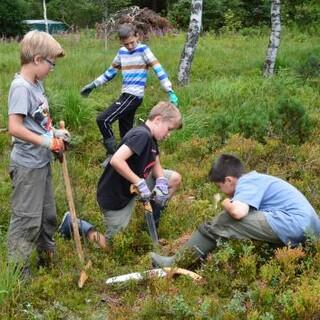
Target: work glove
144, 191
56, 145
173, 98
63, 134
86, 90
161, 191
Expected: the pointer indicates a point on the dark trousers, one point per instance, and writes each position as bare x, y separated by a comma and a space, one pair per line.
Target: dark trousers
123, 109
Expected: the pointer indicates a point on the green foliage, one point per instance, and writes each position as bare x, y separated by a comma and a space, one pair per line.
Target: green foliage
291, 121
12, 12
305, 15
9, 274
223, 15
227, 107
309, 67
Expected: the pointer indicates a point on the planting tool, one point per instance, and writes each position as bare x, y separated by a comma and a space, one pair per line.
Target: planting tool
148, 216
154, 273
76, 235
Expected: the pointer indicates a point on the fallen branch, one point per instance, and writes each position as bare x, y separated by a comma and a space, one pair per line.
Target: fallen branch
154, 273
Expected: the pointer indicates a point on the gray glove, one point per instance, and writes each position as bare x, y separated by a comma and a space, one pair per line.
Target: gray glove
161, 191
144, 191
86, 90
62, 134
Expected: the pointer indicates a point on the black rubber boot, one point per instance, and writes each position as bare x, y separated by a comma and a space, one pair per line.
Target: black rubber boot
45, 258
197, 248
110, 145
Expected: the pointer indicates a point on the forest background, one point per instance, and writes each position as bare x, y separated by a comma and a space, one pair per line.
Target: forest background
272, 124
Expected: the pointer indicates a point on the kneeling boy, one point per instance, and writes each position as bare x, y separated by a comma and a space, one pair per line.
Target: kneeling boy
137, 162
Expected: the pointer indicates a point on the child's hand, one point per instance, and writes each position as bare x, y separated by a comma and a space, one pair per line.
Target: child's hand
86, 90
56, 145
63, 134
173, 98
144, 191
161, 191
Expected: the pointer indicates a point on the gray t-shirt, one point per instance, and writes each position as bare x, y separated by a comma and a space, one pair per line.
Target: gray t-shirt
28, 99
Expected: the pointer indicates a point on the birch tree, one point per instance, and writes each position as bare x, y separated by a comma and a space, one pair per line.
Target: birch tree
191, 42
45, 15
274, 40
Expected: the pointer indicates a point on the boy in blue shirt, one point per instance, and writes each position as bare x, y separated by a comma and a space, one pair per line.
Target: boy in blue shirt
133, 59
259, 207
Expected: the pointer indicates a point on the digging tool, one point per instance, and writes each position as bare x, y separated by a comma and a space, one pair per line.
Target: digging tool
76, 235
148, 216
154, 273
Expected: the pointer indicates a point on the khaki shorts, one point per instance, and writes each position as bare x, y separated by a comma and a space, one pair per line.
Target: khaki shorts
117, 220
253, 226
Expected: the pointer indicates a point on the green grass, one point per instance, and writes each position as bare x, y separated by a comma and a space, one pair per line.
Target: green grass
227, 107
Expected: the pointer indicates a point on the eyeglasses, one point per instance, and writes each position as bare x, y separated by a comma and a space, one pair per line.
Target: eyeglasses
52, 64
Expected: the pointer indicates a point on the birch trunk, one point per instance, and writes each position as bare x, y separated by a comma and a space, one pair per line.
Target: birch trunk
191, 42
274, 40
45, 15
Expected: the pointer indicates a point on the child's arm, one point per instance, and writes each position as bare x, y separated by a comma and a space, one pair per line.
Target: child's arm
157, 170
119, 163
18, 130
236, 209
161, 74
108, 75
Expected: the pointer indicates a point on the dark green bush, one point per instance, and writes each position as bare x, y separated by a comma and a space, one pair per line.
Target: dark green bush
291, 121
309, 67
222, 13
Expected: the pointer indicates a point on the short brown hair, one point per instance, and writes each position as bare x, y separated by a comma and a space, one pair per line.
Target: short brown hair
226, 165
127, 30
39, 43
168, 112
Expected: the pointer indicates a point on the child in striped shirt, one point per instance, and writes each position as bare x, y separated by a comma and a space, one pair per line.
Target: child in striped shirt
133, 59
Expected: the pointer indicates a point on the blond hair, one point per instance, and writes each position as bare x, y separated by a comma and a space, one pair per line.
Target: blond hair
39, 43
168, 111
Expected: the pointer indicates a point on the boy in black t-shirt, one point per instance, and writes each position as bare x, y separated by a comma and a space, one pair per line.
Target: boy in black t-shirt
137, 162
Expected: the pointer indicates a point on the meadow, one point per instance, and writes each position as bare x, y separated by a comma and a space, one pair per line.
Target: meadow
271, 124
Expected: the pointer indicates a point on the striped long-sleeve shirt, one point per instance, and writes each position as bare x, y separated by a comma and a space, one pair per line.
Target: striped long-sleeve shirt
134, 66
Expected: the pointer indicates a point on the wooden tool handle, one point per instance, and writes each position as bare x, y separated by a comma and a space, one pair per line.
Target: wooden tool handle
134, 190
62, 124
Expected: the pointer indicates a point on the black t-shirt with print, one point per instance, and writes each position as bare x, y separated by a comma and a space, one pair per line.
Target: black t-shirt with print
113, 191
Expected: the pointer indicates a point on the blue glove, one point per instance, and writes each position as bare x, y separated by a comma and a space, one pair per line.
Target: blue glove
144, 191
173, 98
161, 191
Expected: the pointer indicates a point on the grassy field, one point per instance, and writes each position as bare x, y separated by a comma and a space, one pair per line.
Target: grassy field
272, 124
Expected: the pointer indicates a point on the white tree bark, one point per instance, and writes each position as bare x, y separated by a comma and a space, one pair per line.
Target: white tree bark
191, 42
45, 15
274, 40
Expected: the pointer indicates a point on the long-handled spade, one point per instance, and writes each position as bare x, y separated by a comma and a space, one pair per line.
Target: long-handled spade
76, 235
